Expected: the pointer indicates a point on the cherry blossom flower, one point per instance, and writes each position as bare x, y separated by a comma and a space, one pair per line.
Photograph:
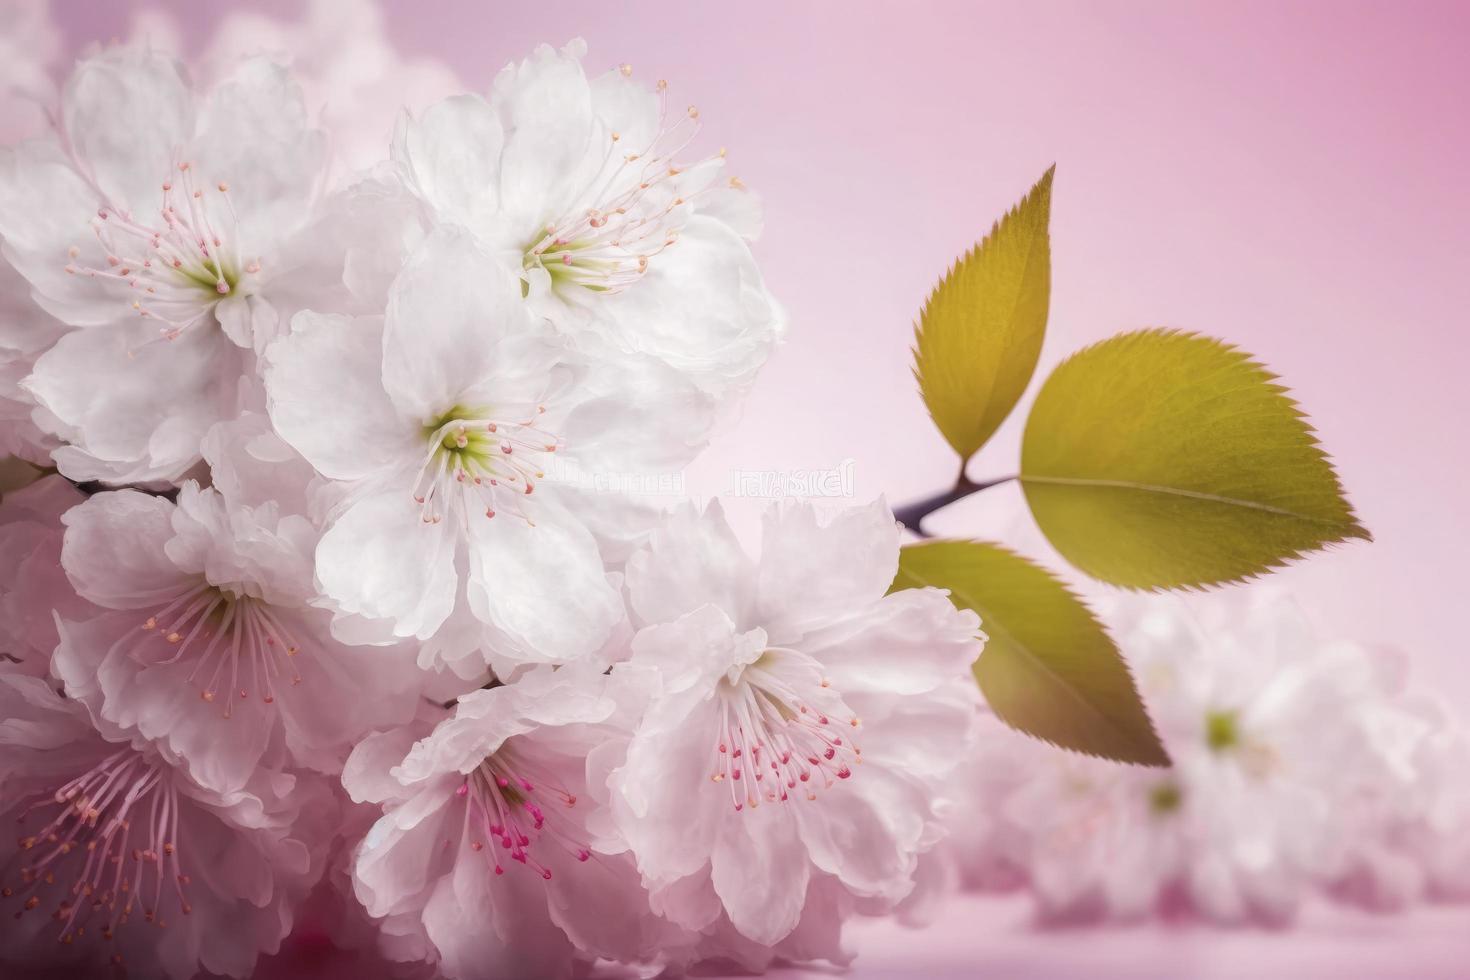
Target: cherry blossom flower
482, 861
800, 727
205, 644
583, 186
120, 863
464, 433
155, 217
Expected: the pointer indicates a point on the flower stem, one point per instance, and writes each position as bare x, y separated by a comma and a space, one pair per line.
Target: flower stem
912, 515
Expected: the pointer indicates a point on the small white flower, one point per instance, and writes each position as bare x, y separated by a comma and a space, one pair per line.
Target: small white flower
483, 852
800, 725
205, 645
460, 428
156, 217
582, 185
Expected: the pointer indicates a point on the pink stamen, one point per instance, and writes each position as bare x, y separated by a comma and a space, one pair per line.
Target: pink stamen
768, 714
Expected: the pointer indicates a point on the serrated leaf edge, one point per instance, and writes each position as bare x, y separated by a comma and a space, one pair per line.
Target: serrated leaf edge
1355, 530
1042, 185
1102, 627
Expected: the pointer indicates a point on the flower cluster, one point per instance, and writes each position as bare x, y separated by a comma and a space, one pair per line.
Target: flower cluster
1301, 769
334, 590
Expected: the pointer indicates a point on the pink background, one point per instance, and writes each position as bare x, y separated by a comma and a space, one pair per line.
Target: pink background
1295, 178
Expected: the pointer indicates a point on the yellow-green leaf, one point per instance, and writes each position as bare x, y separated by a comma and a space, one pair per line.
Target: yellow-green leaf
1164, 459
1049, 669
980, 332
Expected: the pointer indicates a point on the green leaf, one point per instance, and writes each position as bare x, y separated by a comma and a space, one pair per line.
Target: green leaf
1164, 459
1049, 668
980, 332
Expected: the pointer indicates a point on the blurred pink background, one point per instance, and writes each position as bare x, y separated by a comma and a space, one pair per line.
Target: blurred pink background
1292, 177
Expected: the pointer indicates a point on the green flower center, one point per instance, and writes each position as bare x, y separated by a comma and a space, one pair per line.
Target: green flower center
479, 458
1222, 731
1165, 798
175, 266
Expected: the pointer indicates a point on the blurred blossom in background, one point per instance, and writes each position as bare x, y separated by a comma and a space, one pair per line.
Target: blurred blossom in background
1289, 175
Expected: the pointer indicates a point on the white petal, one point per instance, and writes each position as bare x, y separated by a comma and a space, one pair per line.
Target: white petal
326, 396
254, 135
99, 663
545, 106
702, 307
621, 522
451, 153
760, 870
113, 550
46, 209
867, 831
136, 406
626, 106
251, 465
127, 110
483, 720
660, 801
636, 415
447, 312
404, 852
367, 776
813, 573
543, 587
693, 560
488, 926
909, 642
380, 560
927, 735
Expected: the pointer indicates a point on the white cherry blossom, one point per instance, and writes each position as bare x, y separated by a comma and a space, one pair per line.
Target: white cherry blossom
461, 430
205, 644
801, 723
584, 186
155, 217
482, 853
